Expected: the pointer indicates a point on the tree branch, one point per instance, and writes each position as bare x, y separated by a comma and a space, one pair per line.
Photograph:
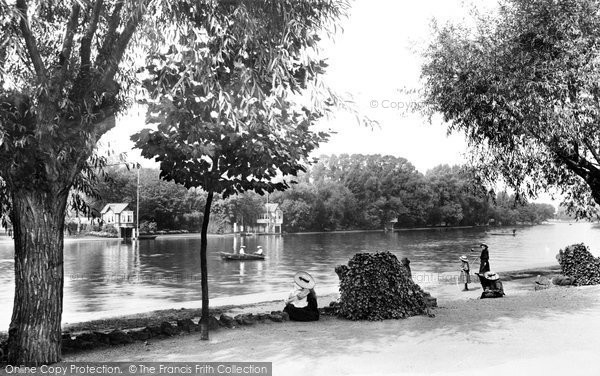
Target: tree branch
30, 42
86, 41
117, 51
85, 50
113, 23
579, 165
65, 53
592, 150
103, 122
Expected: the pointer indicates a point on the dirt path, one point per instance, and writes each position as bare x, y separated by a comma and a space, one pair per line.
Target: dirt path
550, 332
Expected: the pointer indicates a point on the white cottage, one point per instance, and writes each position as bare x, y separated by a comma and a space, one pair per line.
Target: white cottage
270, 221
120, 216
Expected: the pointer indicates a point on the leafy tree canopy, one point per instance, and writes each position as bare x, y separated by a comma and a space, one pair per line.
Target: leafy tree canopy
523, 84
67, 68
226, 100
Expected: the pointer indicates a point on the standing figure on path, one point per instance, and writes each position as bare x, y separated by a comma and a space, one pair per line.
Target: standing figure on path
484, 265
484, 259
406, 263
301, 304
465, 277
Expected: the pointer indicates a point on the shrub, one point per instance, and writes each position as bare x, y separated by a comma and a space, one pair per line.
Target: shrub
377, 287
102, 234
110, 229
147, 227
578, 263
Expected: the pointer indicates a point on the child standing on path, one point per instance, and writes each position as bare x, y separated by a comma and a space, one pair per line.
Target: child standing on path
465, 277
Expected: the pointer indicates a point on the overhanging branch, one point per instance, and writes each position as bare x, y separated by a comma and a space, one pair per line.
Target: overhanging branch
579, 165
109, 38
592, 150
30, 41
86, 40
65, 53
116, 52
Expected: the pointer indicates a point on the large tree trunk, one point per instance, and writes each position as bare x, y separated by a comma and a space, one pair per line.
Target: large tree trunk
35, 329
204, 267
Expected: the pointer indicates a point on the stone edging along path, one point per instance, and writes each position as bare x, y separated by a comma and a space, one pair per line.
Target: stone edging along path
87, 340
91, 339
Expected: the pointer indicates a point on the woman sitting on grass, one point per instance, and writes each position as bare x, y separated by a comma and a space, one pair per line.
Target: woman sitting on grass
301, 305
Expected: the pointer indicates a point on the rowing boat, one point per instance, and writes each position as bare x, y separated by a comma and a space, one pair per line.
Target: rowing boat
245, 257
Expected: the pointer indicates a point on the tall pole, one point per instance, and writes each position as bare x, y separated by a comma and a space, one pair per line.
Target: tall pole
137, 206
268, 215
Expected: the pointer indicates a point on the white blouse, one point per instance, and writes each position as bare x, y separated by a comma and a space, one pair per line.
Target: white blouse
297, 297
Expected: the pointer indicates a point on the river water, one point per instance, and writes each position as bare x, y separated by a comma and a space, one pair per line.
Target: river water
109, 277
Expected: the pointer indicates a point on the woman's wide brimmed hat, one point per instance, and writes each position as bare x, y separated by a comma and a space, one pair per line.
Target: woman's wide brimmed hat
463, 258
304, 280
492, 276
483, 245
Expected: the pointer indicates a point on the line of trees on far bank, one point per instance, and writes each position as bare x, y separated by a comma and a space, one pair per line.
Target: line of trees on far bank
344, 192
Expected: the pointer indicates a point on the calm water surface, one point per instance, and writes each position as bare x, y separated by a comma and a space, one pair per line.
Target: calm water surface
108, 277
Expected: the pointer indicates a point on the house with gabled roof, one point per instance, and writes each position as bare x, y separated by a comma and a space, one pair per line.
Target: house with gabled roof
120, 216
271, 220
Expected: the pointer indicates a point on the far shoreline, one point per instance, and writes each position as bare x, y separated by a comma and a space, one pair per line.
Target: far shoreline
192, 235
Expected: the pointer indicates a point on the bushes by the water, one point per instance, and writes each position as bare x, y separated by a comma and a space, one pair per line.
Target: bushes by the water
376, 287
103, 234
578, 263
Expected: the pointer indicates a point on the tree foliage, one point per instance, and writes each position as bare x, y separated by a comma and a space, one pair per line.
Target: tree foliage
225, 98
348, 192
523, 85
66, 70
68, 67
320, 203
222, 100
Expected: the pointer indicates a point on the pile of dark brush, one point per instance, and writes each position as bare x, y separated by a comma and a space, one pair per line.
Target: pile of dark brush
578, 263
376, 286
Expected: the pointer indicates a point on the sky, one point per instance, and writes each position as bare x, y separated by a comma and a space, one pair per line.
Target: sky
374, 61
377, 61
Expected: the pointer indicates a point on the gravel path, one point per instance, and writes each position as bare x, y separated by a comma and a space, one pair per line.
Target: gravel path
551, 332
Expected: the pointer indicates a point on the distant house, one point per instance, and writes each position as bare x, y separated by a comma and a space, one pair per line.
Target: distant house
270, 221
390, 225
76, 221
120, 216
